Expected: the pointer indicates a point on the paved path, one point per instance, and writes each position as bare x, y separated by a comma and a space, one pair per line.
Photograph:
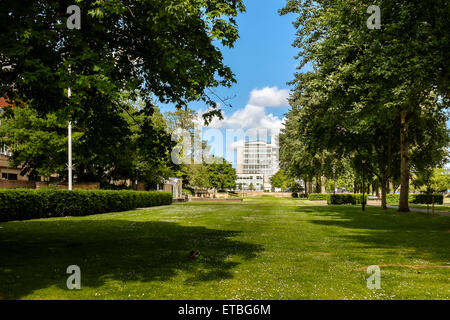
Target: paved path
378, 204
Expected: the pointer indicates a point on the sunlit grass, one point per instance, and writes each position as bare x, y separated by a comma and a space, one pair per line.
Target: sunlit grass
262, 248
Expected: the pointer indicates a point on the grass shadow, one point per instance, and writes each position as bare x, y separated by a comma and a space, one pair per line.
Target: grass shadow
414, 235
35, 254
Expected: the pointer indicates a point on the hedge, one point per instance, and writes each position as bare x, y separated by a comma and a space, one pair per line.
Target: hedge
417, 198
23, 204
345, 198
437, 198
317, 196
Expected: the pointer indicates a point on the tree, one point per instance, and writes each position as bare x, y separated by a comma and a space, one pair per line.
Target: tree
164, 48
437, 179
440, 180
386, 79
221, 174
296, 157
281, 180
114, 147
198, 176
38, 144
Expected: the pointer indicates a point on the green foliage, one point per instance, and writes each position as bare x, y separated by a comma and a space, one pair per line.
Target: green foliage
34, 204
296, 187
152, 50
222, 175
345, 198
129, 145
435, 198
422, 198
281, 180
168, 49
364, 86
392, 198
317, 196
38, 144
429, 180
219, 175
198, 176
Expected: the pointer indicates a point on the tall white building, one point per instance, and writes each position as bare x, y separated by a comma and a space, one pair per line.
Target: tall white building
257, 162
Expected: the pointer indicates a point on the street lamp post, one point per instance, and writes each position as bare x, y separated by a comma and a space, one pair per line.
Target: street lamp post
69, 165
364, 186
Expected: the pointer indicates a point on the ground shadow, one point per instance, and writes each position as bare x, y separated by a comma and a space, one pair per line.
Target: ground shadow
35, 254
413, 234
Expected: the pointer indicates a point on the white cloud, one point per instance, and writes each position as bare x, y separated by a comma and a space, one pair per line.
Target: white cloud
251, 122
269, 97
254, 115
247, 118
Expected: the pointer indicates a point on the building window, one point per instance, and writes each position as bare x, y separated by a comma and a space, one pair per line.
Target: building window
9, 176
34, 178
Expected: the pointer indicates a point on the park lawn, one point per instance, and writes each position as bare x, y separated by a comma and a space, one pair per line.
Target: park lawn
260, 249
437, 207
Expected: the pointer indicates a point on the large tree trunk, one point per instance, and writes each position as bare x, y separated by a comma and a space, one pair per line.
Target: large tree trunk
317, 189
404, 163
384, 187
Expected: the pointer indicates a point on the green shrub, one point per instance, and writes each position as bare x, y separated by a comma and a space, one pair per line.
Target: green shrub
24, 204
417, 198
437, 198
346, 198
294, 195
392, 198
317, 196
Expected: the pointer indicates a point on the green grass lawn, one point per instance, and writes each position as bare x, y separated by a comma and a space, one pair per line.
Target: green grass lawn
263, 248
437, 207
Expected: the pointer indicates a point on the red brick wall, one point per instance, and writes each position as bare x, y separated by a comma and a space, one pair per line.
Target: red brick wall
76, 186
16, 184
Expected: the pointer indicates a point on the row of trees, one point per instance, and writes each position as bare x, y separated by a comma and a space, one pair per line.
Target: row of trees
127, 55
109, 149
375, 99
138, 148
219, 176
212, 172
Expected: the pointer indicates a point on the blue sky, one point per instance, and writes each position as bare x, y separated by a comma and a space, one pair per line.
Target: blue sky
262, 57
263, 62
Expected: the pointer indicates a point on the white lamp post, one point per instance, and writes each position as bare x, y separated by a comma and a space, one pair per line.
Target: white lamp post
69, 129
